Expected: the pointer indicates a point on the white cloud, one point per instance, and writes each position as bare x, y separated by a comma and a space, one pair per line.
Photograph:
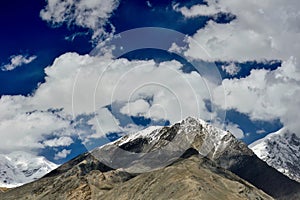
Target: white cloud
231, 69
257, 34
75, 80
17, 61
135, 108
103, 123
198, 10
267, 95
91, 14
149, 4
261, 131
176, 49
26, 131
235, 130
62, 154
56, 142
123, 80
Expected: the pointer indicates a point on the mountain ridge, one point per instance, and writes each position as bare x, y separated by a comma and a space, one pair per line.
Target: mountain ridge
280, 150
94, 175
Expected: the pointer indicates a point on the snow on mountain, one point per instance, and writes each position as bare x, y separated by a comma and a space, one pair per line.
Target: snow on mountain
280, 150
149, 131
169, 142
18, 168
189, 128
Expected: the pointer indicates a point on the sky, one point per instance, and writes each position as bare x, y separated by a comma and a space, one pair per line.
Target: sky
77, 74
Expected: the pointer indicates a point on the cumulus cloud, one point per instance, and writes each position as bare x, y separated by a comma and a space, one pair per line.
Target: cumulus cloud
26, 131
17, 61
89, 14
235, 130
231, 69
198, 10
97, 86
62, 154
56, 142
103, 123
85, 85
25, 125
266, 94
257, 34
135, 108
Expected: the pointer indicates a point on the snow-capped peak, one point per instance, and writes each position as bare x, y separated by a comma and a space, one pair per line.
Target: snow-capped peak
156, 147
189, 127
18, 168
280, 150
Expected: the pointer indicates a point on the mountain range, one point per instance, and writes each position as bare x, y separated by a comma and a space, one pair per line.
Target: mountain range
190, 159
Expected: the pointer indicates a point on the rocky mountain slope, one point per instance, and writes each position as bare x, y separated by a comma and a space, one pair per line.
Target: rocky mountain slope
188, 160
191, 177
18, 168
280, 150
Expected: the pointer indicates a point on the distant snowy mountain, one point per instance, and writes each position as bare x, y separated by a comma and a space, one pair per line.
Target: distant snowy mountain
18, 168
280, 150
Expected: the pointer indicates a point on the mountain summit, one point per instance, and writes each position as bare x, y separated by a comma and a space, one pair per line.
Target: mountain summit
280, 150
190, 159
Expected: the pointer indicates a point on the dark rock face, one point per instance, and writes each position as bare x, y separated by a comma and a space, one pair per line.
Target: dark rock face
189, 152
169, 133
85, 162
135, 146
266, 178
188, 174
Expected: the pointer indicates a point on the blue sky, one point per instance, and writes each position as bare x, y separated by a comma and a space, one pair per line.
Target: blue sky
239, 51
25, 33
